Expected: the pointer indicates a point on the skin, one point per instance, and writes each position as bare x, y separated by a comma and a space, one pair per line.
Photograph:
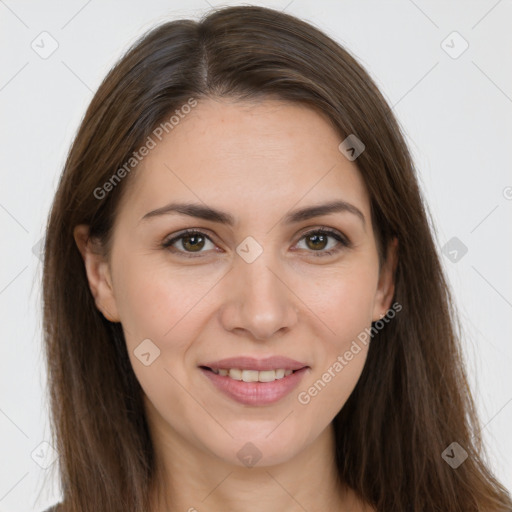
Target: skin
256, 161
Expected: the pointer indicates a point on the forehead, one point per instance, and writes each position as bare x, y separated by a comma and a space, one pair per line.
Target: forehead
259, 157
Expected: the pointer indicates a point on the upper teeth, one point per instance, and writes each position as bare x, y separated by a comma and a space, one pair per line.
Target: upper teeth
253, 375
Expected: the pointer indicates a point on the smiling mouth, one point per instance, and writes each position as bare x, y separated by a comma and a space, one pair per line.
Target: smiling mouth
252, 375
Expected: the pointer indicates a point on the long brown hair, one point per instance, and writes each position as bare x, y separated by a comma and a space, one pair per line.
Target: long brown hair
412, 399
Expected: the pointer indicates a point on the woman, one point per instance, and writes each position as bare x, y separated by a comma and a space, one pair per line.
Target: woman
243, 303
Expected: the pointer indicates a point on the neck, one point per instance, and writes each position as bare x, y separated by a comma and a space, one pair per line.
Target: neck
188, 478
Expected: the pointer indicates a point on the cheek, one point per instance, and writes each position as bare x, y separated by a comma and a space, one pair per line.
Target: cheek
343, 303
342, 300
160, 313
169, 307
153, 301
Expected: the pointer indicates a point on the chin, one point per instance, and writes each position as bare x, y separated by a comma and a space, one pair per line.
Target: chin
265, 448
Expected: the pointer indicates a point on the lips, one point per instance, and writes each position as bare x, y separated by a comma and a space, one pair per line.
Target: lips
256, 393
251, 363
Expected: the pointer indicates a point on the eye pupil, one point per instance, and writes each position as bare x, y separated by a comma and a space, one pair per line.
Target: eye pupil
317, 237
195, 247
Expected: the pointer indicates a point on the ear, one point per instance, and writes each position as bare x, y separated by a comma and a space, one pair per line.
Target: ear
98, 272
386, 285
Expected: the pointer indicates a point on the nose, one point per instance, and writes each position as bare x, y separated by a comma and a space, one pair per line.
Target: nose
258, 301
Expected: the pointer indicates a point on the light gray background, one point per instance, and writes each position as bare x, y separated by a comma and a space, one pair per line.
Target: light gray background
456, 113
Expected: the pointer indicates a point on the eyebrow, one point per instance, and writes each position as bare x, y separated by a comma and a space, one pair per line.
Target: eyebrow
204, 212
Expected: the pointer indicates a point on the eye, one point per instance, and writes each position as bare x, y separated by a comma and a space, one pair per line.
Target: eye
317, 240
191, 241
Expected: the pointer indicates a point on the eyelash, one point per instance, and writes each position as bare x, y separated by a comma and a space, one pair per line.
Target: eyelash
344, 242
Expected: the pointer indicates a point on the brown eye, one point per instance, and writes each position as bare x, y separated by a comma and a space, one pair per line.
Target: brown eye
318, 240
188, 243
193, 243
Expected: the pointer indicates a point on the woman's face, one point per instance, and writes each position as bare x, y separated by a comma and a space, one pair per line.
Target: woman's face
257, 281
